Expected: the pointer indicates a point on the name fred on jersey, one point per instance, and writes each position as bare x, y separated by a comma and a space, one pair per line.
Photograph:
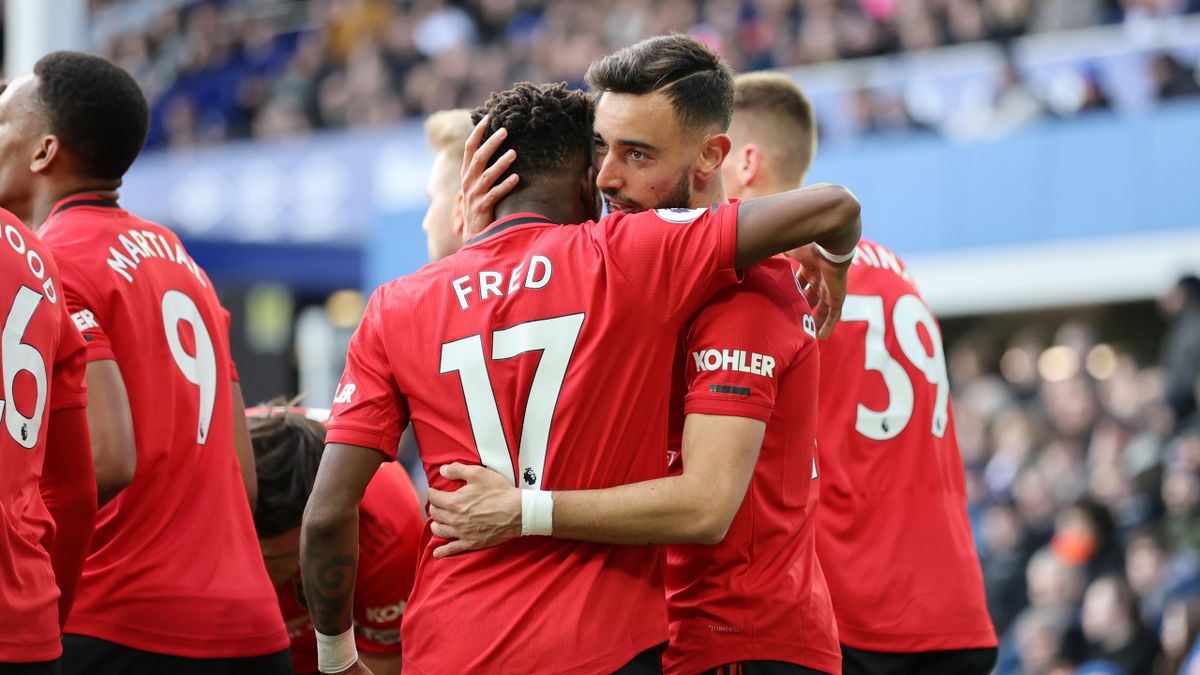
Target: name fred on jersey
535, 273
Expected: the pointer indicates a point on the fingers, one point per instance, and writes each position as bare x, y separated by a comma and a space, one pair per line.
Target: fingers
499, 192
444, 531
443, 515
473, 141
453, 548
496, 170
454, 471
478, 162
439, 499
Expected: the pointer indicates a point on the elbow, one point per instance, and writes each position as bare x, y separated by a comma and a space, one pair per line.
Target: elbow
846, 208
712, 523
322, 522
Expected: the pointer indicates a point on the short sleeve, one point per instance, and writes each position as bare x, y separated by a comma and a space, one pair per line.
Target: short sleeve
85, 306
68, 389
740, 344
674, 259
368, 410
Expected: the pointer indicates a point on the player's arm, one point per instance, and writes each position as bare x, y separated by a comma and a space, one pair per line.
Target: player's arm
243, 446
329, 548
68, 488
696, 506
110, 421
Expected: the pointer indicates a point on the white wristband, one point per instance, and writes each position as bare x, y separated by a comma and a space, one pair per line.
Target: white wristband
537, 512
336, 653
836, 258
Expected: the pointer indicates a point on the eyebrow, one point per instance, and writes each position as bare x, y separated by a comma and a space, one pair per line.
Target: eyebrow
634, 143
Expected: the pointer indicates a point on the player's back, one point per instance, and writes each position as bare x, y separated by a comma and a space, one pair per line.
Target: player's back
760, 593
894, 538
42, 364
175, 566
552, 346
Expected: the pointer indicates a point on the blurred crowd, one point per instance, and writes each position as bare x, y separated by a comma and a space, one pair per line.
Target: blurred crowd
1083, 470
219, 69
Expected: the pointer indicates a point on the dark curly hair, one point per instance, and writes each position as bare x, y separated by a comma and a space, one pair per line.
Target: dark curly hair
287, 451
548, 125
96, 109
698, 83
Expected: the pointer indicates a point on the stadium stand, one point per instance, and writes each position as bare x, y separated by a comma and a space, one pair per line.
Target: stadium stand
224, 69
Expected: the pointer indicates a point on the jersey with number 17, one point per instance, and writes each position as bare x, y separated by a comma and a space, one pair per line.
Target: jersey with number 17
175, 567
893, 536
543, 352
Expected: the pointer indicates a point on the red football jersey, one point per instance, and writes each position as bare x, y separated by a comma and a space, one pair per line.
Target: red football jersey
760, 594
389, 529
175, 566
529, 351
893, 534
42, 366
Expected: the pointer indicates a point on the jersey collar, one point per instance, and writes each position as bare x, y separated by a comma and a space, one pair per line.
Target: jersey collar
95, 201
509, 222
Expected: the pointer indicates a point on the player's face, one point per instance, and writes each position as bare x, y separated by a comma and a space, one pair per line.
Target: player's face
19, 134
281, 553
734, 168
644, 156
441, 235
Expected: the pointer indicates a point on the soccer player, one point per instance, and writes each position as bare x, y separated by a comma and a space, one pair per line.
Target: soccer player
908, 598
446, 132
43, 440
288, 443
529, 351
174, 581
756, 602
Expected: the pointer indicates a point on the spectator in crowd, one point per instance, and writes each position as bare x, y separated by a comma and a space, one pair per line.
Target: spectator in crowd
1112, 631
1181, 350
268, 68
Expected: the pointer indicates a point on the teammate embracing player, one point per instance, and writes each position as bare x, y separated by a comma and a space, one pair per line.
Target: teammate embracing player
909, 600
757, 601
561, 341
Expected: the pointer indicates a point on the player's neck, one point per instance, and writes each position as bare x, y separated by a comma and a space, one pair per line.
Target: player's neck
45, 199
548, 204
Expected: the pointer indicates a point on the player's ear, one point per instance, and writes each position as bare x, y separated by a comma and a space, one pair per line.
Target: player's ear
456, 216
589, 193
713, 152
45, 154
749, 163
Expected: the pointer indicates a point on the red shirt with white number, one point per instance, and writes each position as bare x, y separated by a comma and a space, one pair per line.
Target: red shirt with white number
175, 566
42, 366
389, 528
894, 536
760, 594
544, 352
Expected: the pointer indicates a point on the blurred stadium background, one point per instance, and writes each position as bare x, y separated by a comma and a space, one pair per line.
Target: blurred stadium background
1037, 162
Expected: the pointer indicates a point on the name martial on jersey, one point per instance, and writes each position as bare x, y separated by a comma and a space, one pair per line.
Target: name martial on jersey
142, 244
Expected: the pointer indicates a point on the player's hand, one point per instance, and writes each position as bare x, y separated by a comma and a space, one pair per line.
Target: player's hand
359, 668
479, 195
824, 284
484, 512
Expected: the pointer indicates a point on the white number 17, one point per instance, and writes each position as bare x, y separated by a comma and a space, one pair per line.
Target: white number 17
907, 314
555, 338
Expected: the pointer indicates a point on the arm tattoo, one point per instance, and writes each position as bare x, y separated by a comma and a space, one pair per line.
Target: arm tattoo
329, 592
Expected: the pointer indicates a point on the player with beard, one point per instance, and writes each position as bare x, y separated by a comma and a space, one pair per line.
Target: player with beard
756, 602
528, 352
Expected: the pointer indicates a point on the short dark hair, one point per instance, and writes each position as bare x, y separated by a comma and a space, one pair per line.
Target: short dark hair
784, 112
548, 125
698, 83
287, 452
96, 109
